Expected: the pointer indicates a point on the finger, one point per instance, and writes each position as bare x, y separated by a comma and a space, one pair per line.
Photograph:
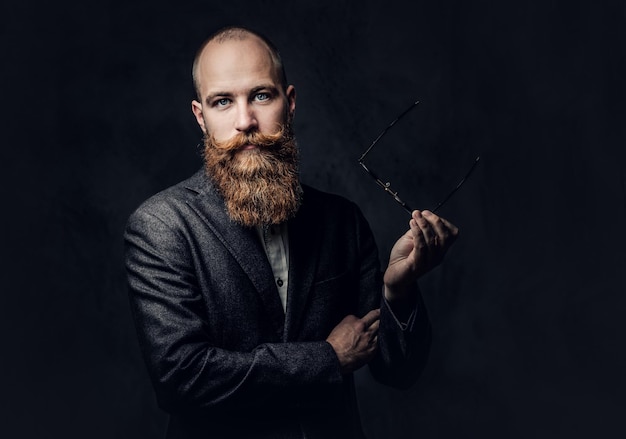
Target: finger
373, 328
416, 233
371, 317
373, 341
437, 225
424, 229
445, 231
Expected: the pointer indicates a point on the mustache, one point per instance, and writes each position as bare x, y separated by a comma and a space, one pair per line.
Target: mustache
252, 138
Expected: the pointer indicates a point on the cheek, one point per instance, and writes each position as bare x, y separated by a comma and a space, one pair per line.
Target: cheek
218, 129
270, 121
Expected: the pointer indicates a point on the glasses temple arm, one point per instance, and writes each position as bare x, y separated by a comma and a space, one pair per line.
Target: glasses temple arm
387, 129
458, 186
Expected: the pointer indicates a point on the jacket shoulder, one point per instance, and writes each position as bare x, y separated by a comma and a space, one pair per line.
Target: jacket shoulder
170, 203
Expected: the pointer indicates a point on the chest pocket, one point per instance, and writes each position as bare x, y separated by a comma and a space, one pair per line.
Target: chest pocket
332, 299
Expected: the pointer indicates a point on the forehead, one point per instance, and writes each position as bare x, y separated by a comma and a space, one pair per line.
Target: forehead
234, 64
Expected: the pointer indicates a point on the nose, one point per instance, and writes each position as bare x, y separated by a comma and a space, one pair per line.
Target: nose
246, 119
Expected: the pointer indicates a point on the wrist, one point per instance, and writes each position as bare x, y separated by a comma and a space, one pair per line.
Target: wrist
399, 294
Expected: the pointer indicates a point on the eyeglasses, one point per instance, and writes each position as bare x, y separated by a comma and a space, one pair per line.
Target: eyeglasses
387, 186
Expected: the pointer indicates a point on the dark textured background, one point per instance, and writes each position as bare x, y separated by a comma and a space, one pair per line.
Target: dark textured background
528, 309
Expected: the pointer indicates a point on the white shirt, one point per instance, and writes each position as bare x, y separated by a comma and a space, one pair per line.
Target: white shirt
275, 240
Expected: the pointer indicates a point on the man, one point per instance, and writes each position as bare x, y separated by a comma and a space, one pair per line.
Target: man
255, 297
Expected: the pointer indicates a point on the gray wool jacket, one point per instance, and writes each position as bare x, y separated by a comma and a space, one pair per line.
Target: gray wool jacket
224, 358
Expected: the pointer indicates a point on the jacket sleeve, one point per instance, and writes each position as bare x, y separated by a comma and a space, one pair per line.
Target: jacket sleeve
187, 369
403, 347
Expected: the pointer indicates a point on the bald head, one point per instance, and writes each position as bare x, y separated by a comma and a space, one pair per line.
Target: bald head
236, 33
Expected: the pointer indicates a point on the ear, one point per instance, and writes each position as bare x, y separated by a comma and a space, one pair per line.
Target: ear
196, 108
291, 100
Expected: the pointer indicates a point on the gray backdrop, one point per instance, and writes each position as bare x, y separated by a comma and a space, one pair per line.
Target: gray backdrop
528, 307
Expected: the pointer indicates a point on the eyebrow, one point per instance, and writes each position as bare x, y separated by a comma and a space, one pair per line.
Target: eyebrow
269, 87
221, 94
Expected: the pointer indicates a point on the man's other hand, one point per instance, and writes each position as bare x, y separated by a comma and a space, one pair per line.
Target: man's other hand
355, 340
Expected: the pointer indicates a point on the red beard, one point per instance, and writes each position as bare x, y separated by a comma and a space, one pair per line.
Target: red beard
260, 186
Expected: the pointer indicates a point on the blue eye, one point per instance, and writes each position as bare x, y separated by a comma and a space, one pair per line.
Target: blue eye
262, 96
222, 102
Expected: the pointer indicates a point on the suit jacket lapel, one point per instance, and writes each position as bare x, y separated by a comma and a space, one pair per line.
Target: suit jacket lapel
241, 242
304, 241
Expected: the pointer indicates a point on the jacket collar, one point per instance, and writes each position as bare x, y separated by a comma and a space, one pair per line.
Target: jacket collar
242, 242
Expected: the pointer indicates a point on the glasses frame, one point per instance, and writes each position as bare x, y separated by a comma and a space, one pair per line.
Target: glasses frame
387, 185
